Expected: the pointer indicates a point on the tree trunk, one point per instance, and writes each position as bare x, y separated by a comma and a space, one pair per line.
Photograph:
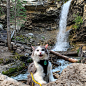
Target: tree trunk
64, 57
8, 25
15, 21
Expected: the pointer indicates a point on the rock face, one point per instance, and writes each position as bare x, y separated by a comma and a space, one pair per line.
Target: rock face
6, 81
76, 7
84, 15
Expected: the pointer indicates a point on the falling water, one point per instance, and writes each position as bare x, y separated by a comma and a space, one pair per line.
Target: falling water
62, 44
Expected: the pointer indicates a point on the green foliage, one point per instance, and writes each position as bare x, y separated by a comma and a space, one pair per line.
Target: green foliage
1, 60
29, 60
20, 10
78, 21
78, 51
1, 11
11, 70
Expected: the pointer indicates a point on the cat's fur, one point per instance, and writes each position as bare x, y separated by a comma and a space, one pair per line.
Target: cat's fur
39, 55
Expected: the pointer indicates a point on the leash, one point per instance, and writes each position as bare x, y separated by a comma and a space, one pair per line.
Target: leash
34, 80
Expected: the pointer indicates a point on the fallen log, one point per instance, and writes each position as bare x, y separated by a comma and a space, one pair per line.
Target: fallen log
69, 53
64, 57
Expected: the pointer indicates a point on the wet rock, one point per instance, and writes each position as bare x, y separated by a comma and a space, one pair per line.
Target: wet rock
1, 27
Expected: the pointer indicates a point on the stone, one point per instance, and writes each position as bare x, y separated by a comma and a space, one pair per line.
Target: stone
6, 81
1, 26
29, 35
18, 50
84, 16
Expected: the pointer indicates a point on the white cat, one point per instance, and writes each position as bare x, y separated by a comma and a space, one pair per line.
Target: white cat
40, 57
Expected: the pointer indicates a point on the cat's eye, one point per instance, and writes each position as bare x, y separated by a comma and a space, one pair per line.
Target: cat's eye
37, 50
42, 49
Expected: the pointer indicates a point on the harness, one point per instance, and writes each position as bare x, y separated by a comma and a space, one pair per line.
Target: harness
34, 80
44, 64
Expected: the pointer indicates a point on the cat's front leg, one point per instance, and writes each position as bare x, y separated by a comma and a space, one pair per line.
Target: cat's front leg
39, 78
51, 78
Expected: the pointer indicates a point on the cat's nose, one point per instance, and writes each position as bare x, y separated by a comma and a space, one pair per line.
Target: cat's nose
40, 52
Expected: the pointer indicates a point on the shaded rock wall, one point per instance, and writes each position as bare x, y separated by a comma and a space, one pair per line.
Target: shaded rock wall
76, 7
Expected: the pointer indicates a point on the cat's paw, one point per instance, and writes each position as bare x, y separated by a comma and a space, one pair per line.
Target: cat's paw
43, 82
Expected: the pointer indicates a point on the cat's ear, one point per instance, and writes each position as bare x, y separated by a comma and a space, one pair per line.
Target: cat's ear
46, 45
33, 48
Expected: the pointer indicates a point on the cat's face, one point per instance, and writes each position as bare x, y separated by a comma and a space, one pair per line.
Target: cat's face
40, 53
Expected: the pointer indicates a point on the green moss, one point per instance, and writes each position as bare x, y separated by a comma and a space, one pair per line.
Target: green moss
78, 51
1, 60
29, 60
17, 56
12, 70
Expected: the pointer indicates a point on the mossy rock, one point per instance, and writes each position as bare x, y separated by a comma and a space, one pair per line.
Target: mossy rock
10, 71
1, 60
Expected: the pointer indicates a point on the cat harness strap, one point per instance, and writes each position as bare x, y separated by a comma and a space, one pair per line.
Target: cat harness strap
34, 79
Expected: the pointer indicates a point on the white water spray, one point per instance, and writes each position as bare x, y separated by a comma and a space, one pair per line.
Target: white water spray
62, 44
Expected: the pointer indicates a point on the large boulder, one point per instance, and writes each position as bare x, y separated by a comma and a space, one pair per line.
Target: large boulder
73, 75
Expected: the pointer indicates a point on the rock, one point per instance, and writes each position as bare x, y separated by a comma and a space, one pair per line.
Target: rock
22, 48
84, 53
6, 81
32, 40
52, 11
84, 16
73, 75
18, 50
29, 35
28, 52
1, 27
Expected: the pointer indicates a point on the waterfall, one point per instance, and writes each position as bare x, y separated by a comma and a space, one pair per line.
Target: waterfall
62, 44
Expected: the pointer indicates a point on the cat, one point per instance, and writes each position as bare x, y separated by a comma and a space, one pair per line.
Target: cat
40, 56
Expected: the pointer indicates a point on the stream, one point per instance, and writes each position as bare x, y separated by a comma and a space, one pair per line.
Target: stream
63, 65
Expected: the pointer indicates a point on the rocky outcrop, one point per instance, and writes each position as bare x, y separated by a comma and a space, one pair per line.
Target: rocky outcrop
77, 8
42, 17
6, 81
